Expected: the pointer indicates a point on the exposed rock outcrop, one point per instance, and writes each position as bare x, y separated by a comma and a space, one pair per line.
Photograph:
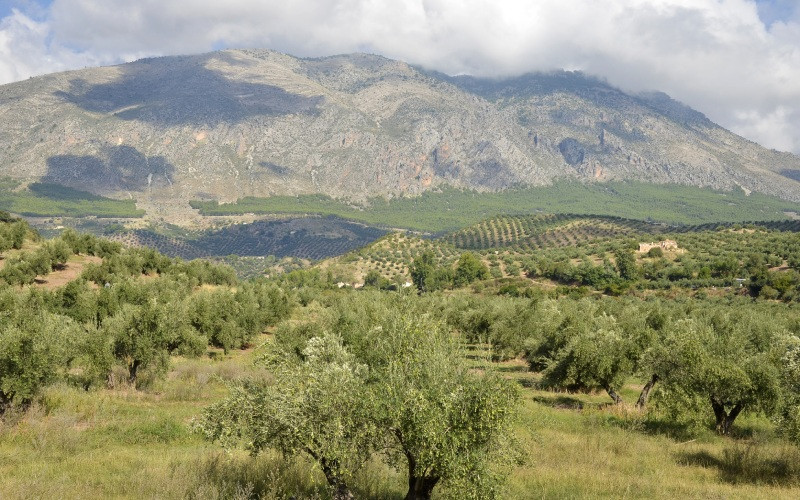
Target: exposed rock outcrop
256, 123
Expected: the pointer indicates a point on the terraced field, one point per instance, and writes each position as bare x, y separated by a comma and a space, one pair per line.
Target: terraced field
306, 238
548, 230
532, 232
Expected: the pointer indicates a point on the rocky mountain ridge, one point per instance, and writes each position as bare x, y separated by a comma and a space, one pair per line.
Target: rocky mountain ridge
240, 123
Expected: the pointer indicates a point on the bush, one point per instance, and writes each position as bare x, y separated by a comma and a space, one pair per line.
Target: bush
34, 348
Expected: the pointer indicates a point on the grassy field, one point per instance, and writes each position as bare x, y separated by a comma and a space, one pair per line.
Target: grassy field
51, 200
120, 442
123, 443
451, 209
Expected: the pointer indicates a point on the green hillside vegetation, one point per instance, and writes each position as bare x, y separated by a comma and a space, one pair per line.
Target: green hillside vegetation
592, 254
553, 230
52, 200
451, 209
763, 257
548, 230
149, 376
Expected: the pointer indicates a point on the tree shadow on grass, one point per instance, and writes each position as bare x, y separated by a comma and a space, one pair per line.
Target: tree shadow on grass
270, 475
511, 369
683, 431
677, 431
750, 463
561, 402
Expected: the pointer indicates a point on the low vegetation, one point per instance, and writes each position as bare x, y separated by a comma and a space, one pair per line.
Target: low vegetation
52, 200
451, 209
462, 385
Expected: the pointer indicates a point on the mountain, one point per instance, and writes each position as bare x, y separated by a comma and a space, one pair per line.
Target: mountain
237, 123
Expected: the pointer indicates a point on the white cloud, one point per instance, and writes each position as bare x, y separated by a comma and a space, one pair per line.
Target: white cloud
716, 55
26, 49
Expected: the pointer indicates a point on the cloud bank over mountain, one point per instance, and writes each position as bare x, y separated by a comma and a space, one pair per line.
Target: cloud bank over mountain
738, 61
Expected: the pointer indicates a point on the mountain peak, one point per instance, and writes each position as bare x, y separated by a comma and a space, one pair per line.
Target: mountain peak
253, 122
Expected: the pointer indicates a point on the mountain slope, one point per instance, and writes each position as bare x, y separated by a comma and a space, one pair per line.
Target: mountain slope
237, 123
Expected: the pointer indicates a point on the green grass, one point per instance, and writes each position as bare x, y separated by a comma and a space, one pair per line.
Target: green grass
451, 209
581, 446
51, 200
123, 443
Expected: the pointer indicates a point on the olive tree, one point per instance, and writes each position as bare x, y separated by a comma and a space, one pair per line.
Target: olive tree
316, 406
446, 423
387, 379
143, 336
34, 348
789, 416
596, 357
726, 364
581, 345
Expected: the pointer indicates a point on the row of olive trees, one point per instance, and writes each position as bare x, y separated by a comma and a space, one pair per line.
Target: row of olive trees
375, 376
118, 262
722, 357
13, 232
24, 267
141, 322
83, 333
735, 357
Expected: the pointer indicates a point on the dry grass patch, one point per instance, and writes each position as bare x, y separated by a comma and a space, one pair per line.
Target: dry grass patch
71, 270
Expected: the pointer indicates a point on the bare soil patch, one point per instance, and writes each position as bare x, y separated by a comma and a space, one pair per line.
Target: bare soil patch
72, 269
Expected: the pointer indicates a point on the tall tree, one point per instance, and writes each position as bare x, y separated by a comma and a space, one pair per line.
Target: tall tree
447, 423
470, 268
422, 270
721, 360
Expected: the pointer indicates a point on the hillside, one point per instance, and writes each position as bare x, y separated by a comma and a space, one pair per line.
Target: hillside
579, 254
306, 237
237, 123
451, 209
123, 352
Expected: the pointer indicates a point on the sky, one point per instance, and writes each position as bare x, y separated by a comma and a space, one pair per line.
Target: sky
737, 61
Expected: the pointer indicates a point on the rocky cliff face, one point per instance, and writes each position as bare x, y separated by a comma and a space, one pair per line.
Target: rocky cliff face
258, 123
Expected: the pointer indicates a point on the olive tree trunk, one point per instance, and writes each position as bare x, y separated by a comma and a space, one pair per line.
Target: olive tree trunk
724, 418
642, 401
611, 392
133, 368
420, 487
330, 469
